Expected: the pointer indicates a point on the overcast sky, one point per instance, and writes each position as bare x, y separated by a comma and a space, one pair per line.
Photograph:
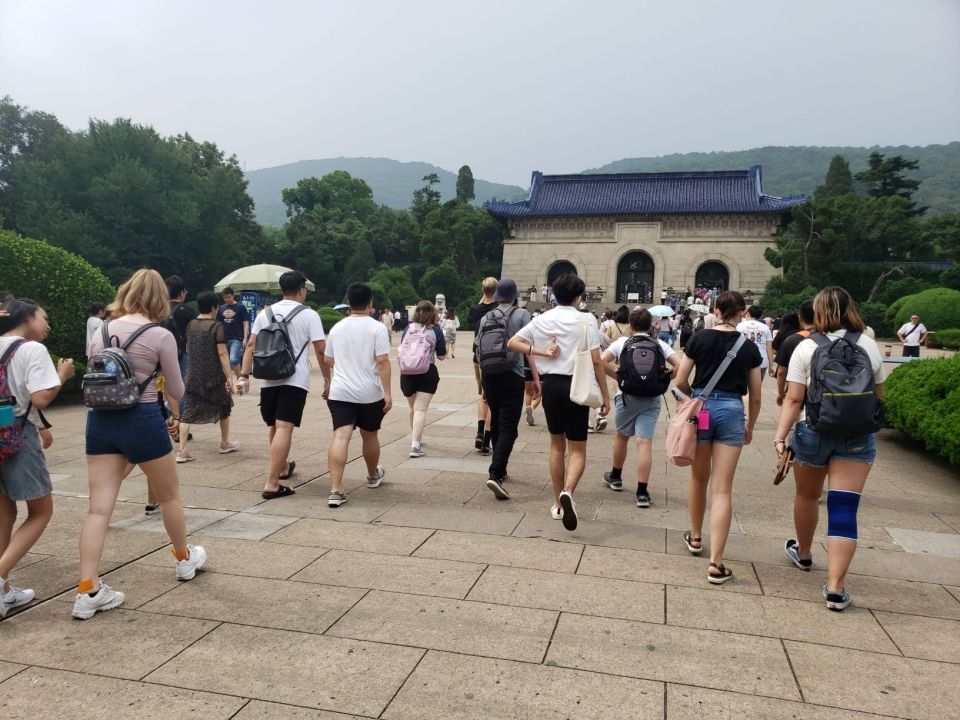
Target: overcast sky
506, 87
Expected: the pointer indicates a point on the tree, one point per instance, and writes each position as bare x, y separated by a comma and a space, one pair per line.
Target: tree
393, 287
426, 199
884, 178
465, 185
359, 266
838, 181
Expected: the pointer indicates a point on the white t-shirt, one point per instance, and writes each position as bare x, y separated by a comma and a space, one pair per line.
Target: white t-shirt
305, 329
93, 326
759, 334
566, 324
799, 369
387, 320
30, 370
616, 347
355, 343
914, 339
709, 321
690, 300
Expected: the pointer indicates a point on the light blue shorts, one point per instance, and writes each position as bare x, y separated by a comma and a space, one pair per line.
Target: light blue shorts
637, 416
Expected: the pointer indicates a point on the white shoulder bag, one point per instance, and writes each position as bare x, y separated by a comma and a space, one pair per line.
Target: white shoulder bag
584, 389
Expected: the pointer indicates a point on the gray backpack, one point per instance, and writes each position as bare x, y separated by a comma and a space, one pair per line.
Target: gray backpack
841, 398
492, 354
273, 352
109, 382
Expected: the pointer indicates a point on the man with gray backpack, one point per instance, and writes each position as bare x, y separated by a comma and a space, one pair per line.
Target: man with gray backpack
502, 377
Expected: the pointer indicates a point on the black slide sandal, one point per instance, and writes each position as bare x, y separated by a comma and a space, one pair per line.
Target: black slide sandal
291, 468
282, 491
720, 579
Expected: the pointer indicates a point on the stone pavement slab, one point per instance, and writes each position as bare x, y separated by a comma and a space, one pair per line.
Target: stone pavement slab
247, 526
246, 557
923, 637
260, 710
498, 550
460, 687
303, 505
746, 548
352, 536
926, 543
603, 534
315, 671
452, 518
197, 519
9, 670
692, 703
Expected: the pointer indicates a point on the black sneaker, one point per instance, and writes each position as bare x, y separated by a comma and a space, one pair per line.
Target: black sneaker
612, 482
484, 449
496, 487
790, 548
643, 499
836, 600
478, 443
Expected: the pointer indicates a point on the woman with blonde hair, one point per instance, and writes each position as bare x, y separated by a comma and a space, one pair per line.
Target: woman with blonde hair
115, 438
843, 455
422, 342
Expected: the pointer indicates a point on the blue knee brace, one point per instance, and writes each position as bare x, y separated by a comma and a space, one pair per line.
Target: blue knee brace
842, 513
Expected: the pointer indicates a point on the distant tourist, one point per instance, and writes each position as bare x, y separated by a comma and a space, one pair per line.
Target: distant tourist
282, 399
686, 328
757, 332
181, 315
236, 324
486, 304
358, 353
912, 334
387, 319
421, 344
451, 323
94, 321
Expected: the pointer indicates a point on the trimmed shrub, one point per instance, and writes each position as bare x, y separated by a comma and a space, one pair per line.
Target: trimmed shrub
937, 307
875, 315
950, 278
329, 317
922, 399
949, 339
63, 283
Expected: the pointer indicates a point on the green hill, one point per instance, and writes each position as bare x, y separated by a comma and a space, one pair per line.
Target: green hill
392, 182
791, 170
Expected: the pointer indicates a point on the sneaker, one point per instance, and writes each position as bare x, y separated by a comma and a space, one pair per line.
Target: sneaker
601, 423
484, 449
569, 511
377, 480
185, 457
151, 510
14, 598
612, 482
229, 447
530, 416
643, 500
556, 513
790, 547
336, 499
187, 569
85, 606
478, 442
417, 452
836, 600
496, 487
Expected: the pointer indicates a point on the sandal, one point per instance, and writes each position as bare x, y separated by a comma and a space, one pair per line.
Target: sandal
291, 466
689, 540
280, 492
720, 579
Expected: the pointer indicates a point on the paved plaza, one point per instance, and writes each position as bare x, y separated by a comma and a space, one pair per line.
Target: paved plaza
428, 598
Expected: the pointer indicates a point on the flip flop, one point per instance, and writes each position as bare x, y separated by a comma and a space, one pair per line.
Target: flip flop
291, 467
280, 492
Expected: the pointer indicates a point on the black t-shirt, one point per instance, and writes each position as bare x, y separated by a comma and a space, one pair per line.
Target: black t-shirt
707, 348
477, 312
181, 316
787, 347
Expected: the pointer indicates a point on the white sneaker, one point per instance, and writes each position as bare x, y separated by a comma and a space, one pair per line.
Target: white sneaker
85, 607
417, 452
556, 513
187, 569
377, 481
14, 598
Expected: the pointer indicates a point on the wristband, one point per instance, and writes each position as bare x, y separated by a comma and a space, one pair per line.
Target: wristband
783, 442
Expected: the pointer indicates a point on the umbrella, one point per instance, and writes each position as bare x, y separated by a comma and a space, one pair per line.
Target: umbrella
661, 311
698, 307
341, 307
257, 278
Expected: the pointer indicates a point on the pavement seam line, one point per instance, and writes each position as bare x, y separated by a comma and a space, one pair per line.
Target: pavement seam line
553, 633
885, 632
793, 672
583, 550
21, 670
413, 552
405, 680
342, 615
217, 623
240, 709
757, 576
482, 573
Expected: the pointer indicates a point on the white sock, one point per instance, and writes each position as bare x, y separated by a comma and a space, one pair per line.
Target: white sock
415, 446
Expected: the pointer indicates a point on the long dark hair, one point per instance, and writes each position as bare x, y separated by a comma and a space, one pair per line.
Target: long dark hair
18, 312
622, 316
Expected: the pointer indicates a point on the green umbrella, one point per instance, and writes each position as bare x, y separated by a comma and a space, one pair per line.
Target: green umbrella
256, 278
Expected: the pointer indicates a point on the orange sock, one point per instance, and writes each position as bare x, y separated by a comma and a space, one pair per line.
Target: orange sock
181, 555
85, 586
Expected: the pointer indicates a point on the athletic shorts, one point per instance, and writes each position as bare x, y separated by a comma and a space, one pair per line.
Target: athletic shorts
816, 450
911, 351
25, 476
140, 434
366, 416
727, 425
637, 416
282, 402
427, 382
564, 417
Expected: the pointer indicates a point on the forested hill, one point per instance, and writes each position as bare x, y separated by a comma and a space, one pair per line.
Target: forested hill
792, 170
392, 182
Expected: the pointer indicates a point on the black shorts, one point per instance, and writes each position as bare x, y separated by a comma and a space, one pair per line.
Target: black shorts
282, 402
366, 416
911, 351
564, 417
428, 382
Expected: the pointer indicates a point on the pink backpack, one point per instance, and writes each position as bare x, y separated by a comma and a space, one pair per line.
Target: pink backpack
415, 353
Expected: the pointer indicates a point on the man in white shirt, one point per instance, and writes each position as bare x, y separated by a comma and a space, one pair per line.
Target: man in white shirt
94, 322
282, 401
757, 332
557, 337
387, 320
358, 352
912, 334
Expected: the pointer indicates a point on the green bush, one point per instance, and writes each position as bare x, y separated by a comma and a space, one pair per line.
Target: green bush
775, 304
949, 339
61, 282
950, 278
922, 399
937, 307
329, 317
875, 315
892, 290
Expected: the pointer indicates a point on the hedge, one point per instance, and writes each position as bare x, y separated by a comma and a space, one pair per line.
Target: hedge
949, 339
63, 283
938, 308
922, 399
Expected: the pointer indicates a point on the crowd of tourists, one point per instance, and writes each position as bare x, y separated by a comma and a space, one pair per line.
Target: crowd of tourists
156, 367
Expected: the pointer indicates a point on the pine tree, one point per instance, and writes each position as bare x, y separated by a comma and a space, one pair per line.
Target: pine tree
838, 180
465, 185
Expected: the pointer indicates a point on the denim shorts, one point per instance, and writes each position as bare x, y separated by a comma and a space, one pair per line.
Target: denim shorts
139, 434
235, 350
25, 476
816, 450
637, 416
727, 425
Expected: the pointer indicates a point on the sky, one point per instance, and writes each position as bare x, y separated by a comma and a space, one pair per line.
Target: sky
504, 86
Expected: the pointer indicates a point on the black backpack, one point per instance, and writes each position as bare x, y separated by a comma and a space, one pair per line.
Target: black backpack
273, 357
173, 326
643, 370
492, 354
841, 397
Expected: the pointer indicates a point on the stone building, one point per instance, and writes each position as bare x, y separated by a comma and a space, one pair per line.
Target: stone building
632, 235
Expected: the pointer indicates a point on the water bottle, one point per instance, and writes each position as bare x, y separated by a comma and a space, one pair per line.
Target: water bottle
7, 417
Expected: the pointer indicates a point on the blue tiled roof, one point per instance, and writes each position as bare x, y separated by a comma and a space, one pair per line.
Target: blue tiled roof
726, 191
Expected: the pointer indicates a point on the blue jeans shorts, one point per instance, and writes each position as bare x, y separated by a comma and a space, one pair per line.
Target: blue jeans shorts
235, 350
816, 450
636, 416
25, 476
139, 434
727, 425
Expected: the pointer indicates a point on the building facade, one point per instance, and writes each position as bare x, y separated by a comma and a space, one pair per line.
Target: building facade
632, 236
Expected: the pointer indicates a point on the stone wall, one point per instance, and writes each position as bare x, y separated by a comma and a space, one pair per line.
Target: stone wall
678, 246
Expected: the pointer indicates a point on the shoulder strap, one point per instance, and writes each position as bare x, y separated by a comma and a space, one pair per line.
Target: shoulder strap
293, 314
819, 338
912, 330
137, 333
269, 311
105, 333
723, 367
8, 353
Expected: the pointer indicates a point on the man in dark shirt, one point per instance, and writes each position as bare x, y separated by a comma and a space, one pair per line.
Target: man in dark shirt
236, 327
789, 344
476, 314
180, 317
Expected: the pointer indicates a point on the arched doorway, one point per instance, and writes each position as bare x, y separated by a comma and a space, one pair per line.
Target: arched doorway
561, 267
713, 274
635, 278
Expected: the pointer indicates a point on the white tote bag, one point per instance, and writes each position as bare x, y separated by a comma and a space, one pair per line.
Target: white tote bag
584, 389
